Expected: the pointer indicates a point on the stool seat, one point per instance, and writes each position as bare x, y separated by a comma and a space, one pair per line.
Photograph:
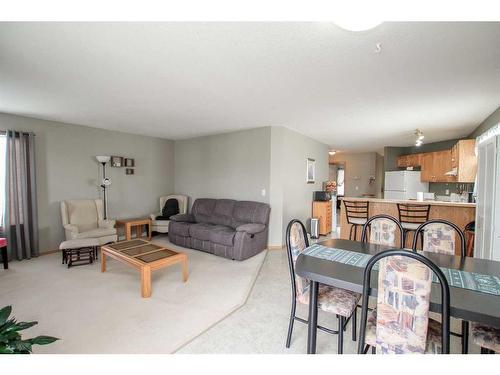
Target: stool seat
357, 221
3, 242
410, 226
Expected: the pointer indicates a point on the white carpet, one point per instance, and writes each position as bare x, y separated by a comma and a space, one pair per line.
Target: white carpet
94, 312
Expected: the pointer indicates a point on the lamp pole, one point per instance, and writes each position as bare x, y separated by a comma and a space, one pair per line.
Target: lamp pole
104, 183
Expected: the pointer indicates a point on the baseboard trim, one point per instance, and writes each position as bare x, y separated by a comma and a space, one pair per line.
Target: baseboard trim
275, 247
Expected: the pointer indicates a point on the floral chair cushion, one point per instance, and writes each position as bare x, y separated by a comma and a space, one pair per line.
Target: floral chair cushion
439, 238
433, 344
404, 287
334, 300
487, 337
383, 232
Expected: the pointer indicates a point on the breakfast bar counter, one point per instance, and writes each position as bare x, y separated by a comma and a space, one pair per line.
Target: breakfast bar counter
458, 213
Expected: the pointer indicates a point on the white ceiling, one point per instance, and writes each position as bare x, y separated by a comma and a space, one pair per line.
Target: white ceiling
179, 80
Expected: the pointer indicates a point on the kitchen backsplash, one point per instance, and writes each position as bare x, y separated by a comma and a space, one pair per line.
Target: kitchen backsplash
440, 188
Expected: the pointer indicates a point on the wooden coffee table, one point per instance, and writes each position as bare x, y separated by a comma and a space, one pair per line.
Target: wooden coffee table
145, 257
137, 223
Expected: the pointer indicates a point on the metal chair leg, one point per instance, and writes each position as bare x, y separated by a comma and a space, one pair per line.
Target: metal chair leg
353, 322
290, 325
465, 337
367, 347
355, 232
374, 350
340, 348
350, 231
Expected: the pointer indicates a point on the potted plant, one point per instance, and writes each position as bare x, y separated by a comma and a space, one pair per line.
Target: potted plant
11, 341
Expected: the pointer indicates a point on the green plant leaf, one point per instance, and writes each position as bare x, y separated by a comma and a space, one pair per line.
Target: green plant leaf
6, 349
5, 313
25, 325
22, 346
43, 340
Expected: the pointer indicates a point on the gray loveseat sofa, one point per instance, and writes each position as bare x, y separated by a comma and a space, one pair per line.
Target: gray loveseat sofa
224, 227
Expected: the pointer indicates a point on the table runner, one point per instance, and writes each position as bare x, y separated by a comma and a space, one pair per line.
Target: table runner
456, 278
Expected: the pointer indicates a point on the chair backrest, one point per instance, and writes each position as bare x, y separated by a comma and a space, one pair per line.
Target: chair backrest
356, 209
403, 299
83, 213
413, 213
182, 199
296, 243
439, 237
383, 230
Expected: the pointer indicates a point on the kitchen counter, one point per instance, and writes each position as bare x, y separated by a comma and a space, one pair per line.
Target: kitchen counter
412, 201
458, 213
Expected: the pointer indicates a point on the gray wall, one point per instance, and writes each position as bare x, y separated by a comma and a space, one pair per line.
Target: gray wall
358, 168
296, 194
489, 122
231, 165
66, 169
238, 165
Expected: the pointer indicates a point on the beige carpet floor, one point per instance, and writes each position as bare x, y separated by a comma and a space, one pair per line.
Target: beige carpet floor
94, 312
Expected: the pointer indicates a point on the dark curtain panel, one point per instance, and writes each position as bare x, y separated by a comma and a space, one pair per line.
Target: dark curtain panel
21, 217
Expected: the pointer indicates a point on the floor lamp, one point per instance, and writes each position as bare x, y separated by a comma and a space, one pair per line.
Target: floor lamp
104, 183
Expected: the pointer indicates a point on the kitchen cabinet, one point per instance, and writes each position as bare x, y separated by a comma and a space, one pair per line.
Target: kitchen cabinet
460, 160
464, 161
323, 212
435, 165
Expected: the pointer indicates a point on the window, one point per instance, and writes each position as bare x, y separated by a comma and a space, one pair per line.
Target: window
3, 167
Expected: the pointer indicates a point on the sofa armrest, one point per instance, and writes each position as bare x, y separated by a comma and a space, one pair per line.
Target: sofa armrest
153, 216
187, 218
71, 228
251, 228
107, 223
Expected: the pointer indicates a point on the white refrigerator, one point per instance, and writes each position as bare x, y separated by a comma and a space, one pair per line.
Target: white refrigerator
403, 185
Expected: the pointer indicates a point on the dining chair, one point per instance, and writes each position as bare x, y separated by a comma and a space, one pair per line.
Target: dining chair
383, 230
3, 250
470, 233
333, 300
400, 323
439, 237
487, 337
356, 213
411, 216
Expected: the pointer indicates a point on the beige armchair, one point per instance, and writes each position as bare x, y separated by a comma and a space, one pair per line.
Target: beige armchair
162, 225
83, 219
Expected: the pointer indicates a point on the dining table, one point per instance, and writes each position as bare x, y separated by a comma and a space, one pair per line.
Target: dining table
320, 264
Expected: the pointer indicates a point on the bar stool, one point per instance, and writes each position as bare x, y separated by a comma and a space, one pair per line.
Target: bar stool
411, 216
470, 235
357, 215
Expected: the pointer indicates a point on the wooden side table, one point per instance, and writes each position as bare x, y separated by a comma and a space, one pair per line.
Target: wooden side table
137, 223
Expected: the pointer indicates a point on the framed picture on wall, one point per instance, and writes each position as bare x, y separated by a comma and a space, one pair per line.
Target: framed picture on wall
129, 162
116, 161
129, 171
310, 171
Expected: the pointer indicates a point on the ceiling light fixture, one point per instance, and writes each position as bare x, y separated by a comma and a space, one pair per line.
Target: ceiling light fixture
357, 24
332, 152
419, 137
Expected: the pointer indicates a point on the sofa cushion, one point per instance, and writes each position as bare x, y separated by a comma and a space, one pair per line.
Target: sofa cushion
246, 212
222, 236
201, 231
179, 228
203, 209
251, 228
188, 218
223, 212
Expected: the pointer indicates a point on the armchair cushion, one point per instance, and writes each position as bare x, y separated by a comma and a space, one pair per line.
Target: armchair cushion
251, 228
187, 218
107, 223
170, 208
95, 233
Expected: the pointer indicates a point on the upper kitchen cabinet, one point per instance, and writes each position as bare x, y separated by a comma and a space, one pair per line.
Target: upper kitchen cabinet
435, 165
456, 165
463, 161
412, 160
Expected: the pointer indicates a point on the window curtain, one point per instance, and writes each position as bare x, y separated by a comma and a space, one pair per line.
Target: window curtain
21, 217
